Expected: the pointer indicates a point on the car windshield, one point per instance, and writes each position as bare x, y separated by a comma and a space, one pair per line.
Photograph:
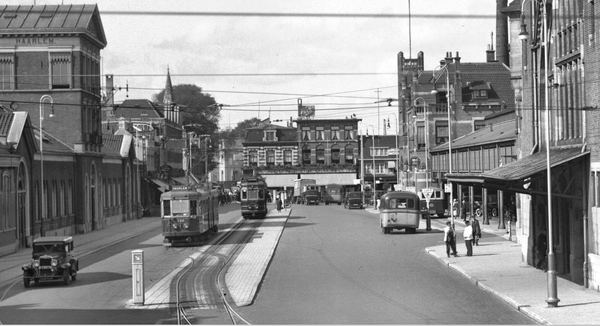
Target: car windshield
354, 195
48, 248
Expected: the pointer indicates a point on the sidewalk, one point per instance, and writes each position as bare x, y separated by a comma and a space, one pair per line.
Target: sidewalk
497, 267
85, 244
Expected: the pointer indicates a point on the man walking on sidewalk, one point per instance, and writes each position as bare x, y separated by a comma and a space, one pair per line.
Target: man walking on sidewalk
468, 236
450, 240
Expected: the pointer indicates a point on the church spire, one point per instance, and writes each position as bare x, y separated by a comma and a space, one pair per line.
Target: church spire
168, 100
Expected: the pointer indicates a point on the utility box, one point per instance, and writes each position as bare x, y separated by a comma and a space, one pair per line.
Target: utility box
137, 273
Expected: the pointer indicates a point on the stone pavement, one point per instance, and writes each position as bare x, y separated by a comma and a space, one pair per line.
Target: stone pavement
247, 270
497, 267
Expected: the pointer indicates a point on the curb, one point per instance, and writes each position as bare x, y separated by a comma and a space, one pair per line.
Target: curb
519, 307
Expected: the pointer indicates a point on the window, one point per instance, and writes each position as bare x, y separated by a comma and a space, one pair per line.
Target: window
60, 66
441, 133
320, 155
478, 124
270, 135
480, 93
402, 203
348, 133
335, 155
305, 133
193, 206
320, 133
421, 137
7, 68
335, 133
270, 157
253, 158
287, 157
349, 154
305, 155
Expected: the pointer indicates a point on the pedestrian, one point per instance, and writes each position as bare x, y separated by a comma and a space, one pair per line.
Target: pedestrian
450, 240
279, 203
476, 230
542, 250
468, 236
455, 208
463, 209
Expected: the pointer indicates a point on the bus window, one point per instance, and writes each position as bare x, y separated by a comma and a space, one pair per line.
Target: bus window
166, 207
244, 193
193, 206
402, 203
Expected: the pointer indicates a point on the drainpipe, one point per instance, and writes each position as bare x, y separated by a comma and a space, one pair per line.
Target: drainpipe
585, 233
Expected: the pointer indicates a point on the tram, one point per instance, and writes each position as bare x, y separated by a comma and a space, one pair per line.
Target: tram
333, 194
437, 202
253, 197
189, 215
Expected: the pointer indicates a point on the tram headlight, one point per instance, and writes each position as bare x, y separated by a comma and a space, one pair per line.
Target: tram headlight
185, 225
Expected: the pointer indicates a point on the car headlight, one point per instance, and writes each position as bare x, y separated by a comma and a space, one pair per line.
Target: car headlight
54, 262
36, 263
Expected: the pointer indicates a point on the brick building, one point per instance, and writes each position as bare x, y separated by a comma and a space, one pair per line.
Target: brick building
50, 66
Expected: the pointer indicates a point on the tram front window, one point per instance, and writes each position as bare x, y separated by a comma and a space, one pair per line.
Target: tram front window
180, 207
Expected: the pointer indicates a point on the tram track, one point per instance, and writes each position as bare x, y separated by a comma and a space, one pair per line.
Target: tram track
201, 286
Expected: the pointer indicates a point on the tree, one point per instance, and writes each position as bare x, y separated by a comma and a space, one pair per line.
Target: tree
198, 109
229, 135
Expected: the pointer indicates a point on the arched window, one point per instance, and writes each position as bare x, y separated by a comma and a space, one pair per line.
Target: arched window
320, 154
349, 154
335, 154
306, 155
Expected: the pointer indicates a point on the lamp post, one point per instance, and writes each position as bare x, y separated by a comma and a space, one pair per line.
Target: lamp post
397, 149
42, 208
206, 137
434, 91
552, 299
373, 157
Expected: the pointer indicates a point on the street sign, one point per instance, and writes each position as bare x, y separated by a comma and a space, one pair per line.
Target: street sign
427, 192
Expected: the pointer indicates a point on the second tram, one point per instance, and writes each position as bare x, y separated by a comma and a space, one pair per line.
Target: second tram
253, 197
189, 215
437, 202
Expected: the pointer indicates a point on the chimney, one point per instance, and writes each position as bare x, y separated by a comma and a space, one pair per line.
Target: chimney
502, 33
490, 55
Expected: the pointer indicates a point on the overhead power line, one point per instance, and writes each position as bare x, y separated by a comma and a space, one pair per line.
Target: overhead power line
298, 15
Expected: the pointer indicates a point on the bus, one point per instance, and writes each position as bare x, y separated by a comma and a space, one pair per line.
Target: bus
333, 193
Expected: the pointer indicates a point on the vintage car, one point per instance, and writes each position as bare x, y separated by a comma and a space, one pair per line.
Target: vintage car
353, 200
52, 259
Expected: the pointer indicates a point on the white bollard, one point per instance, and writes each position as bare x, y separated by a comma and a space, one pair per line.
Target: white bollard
137, 273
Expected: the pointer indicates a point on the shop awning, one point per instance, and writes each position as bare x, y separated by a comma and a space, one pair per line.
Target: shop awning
162, 186
517, 175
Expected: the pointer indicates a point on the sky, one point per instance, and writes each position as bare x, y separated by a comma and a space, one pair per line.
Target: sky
258, 57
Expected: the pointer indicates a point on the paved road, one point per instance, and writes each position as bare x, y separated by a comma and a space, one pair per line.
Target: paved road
334, 266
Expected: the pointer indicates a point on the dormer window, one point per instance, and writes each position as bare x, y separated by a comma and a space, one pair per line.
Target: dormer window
480, 93
270, 135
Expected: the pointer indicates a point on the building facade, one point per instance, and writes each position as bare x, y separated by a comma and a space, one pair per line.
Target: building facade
50, 70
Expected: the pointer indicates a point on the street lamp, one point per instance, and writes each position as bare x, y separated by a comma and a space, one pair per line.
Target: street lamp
434, 91
206, 137
373, 157
397, 150
552, 299
42, 209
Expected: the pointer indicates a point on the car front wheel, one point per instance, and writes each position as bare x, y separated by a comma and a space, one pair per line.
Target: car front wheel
26, 282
